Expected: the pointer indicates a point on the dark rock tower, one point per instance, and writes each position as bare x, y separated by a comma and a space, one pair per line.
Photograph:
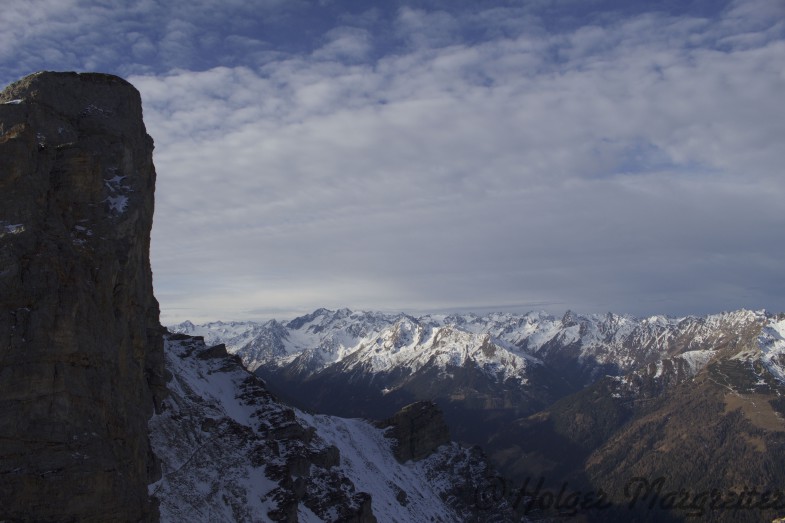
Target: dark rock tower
81, 353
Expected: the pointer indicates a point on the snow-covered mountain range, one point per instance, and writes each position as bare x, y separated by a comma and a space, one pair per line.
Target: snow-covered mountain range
382, 341
504, 347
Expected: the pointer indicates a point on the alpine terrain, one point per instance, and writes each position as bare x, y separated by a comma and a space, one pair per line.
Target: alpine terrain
337, 416
593, 401
107, 417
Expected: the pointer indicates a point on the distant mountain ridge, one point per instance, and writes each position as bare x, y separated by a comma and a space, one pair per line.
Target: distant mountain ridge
504, 345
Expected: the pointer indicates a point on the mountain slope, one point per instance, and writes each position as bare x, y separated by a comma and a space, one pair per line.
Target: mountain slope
231, 452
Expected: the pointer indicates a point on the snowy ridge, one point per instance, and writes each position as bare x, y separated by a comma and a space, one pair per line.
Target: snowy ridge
256, 342
201, 417
231, 452
772, 347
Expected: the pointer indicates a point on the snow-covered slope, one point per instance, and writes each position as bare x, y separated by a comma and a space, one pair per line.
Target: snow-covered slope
231, 452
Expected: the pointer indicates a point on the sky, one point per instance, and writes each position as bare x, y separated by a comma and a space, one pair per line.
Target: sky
446, 155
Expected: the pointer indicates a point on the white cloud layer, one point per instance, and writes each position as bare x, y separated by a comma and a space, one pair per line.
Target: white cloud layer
454, 158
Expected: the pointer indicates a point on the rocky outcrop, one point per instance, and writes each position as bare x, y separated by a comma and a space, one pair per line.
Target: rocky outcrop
81, 352
418, 430
231, 451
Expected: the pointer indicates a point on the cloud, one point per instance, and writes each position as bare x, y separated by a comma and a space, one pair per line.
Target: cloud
440, 157
426, 29
447, 177
130, 36
345, 43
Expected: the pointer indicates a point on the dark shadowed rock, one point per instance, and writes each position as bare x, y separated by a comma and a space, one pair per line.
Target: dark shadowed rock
81, 353
418, 429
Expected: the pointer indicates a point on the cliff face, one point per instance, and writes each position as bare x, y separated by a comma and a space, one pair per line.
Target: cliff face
81, 352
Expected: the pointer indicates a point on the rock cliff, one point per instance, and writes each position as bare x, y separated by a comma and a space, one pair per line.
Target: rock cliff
81, 352
418, 430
